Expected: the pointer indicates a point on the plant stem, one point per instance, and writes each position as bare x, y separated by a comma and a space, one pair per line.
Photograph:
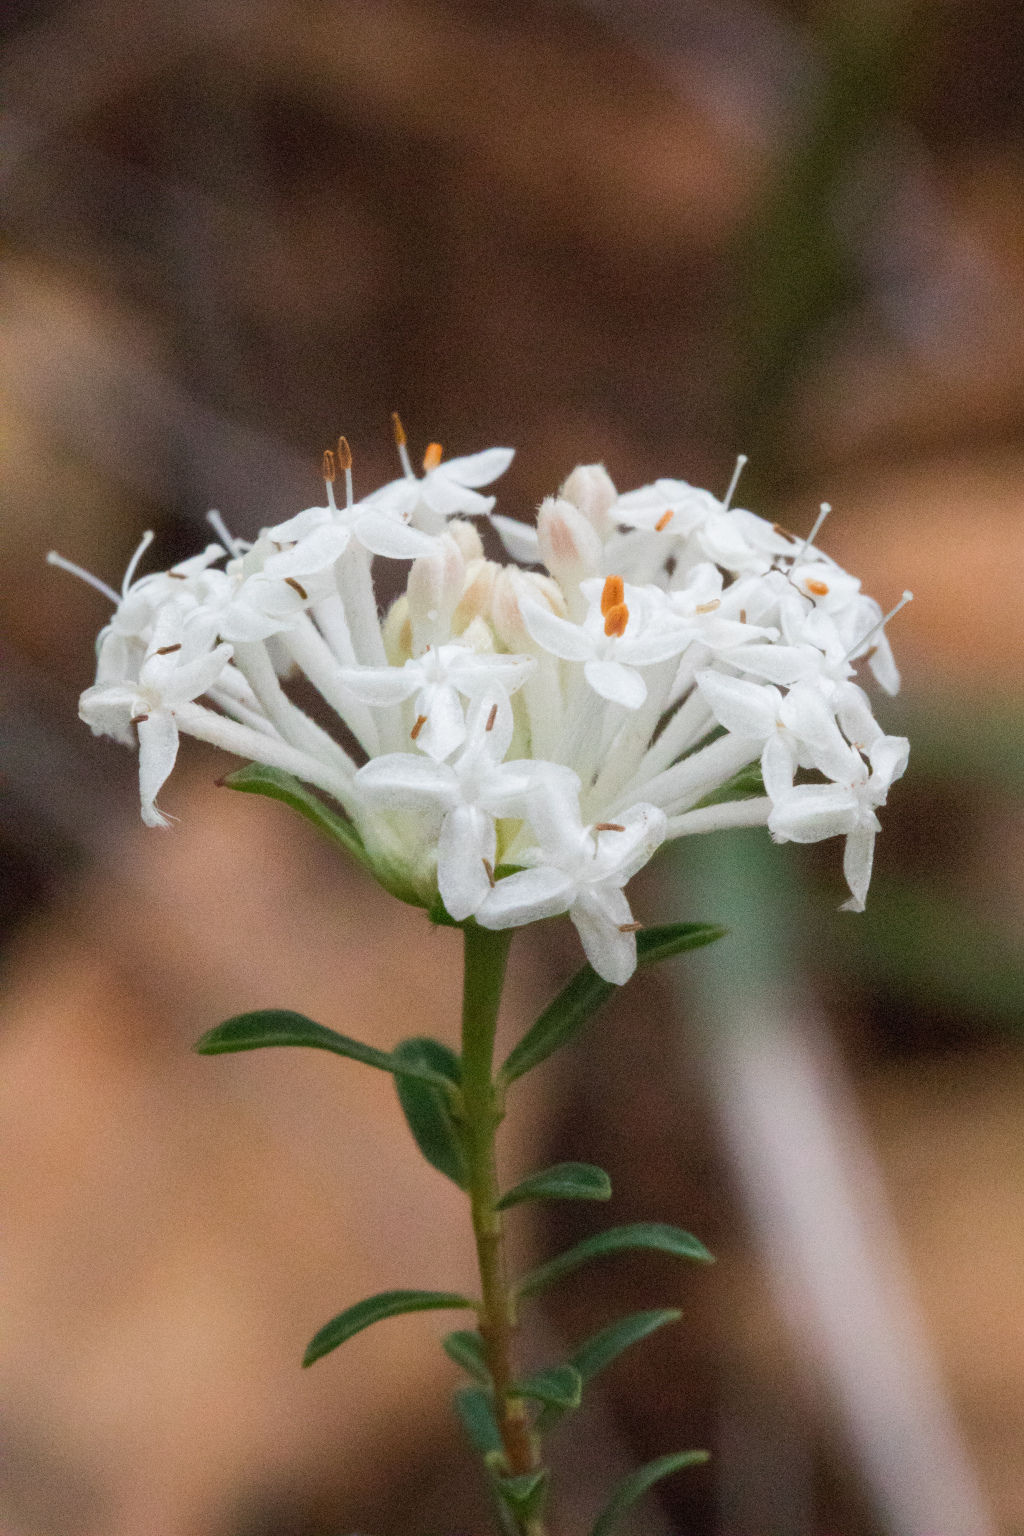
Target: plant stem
485, 957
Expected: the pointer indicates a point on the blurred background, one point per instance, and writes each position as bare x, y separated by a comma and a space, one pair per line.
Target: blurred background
650, 232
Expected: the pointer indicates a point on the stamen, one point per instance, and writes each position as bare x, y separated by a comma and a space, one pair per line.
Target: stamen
83, 575
330, 466
716, 602
400, 444
420, 723
345, 463
138, 719
133, 563
615, 621
741, 460
743, 615
220, 528
784, 533
608, 826
290, 581
613, 594
432, 457
491, 718
908, 597
825, 510
630, 927
663, 521
819, 588
490, 872
167, 650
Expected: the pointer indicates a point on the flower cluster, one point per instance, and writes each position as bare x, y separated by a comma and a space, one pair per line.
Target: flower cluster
518, 739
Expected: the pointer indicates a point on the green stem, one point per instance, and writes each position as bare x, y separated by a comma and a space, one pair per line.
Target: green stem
485, 957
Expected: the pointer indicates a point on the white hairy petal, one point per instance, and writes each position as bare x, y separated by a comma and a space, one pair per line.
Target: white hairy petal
467, 840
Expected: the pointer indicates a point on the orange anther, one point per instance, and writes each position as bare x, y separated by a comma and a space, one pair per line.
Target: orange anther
396, 422
608, 826
489, 867
432, 457
491, 718
421, 721
663, 521
630, 927
613, 594
817, 587
330, 468
615, 621
344, 454
290, 581
716, 602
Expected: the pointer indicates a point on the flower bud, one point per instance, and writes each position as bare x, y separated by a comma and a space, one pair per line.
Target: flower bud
505, 613
477, 587
571, 549
591, 489
397, 632
467, 538
434, 590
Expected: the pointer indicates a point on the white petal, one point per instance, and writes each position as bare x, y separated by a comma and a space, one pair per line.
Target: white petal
553, 634
402, 780
467, 839
491, 709
616, 683
384, 535
813, 811
622, 854
778, 765
444, 495
445, 726
158, 748
314, 553
554, 808
382, 685
776, 663
886, 672
749, 709
479, 468
857, 861
518, 538
526, 897
599, 915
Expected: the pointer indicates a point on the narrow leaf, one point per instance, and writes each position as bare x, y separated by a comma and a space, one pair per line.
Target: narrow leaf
637, 1483
256, 779
466, 1348
373, 1310
475, 1408
278, 1026
524, 1494
580, 1000
644, 1234
602, 1349
742, 786
559, 1385
426, 1107
565, 1181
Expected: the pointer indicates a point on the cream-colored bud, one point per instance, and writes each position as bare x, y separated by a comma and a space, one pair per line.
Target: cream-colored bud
479, 636
590, 488
397, 630
467, 538
505, 612
570, 548
477, 586
434, 590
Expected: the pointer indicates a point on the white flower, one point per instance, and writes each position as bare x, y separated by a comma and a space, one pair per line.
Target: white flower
178, 666
580, 870
446, 489
437, 678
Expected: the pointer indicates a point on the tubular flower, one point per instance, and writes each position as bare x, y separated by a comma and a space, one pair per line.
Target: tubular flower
513, 745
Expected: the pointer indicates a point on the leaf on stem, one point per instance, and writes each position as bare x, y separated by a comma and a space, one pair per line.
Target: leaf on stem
373, 1310
466, 1348
256, 779
475, 1408
278, 1026
564, 1181
644, 1234
583, 996
560, 1386
427, 1107
603, 1348
637, 1483
524, 1494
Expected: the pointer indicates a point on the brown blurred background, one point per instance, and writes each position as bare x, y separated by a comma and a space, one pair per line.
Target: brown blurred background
652, 232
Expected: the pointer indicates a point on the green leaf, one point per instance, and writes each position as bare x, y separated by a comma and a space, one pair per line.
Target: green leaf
637, 1483
742, 786
644, 1234
581, 999
602, 1349
278, 1026
565, 1181
373, 1310
426, 1107
466, 1348
561, 1386
475, 1408
524, 1494
256, 779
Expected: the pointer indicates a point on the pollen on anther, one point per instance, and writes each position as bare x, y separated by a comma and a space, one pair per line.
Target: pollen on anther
784, 533
330, 467
615, 621
421, 721
819, 588
663, 521
716, 602
166, 650
743, 615
432, 457
608, 826
344, 454
138, 719
400, 437
490, 872
613, 594
630, 927
290, 581
491, 718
